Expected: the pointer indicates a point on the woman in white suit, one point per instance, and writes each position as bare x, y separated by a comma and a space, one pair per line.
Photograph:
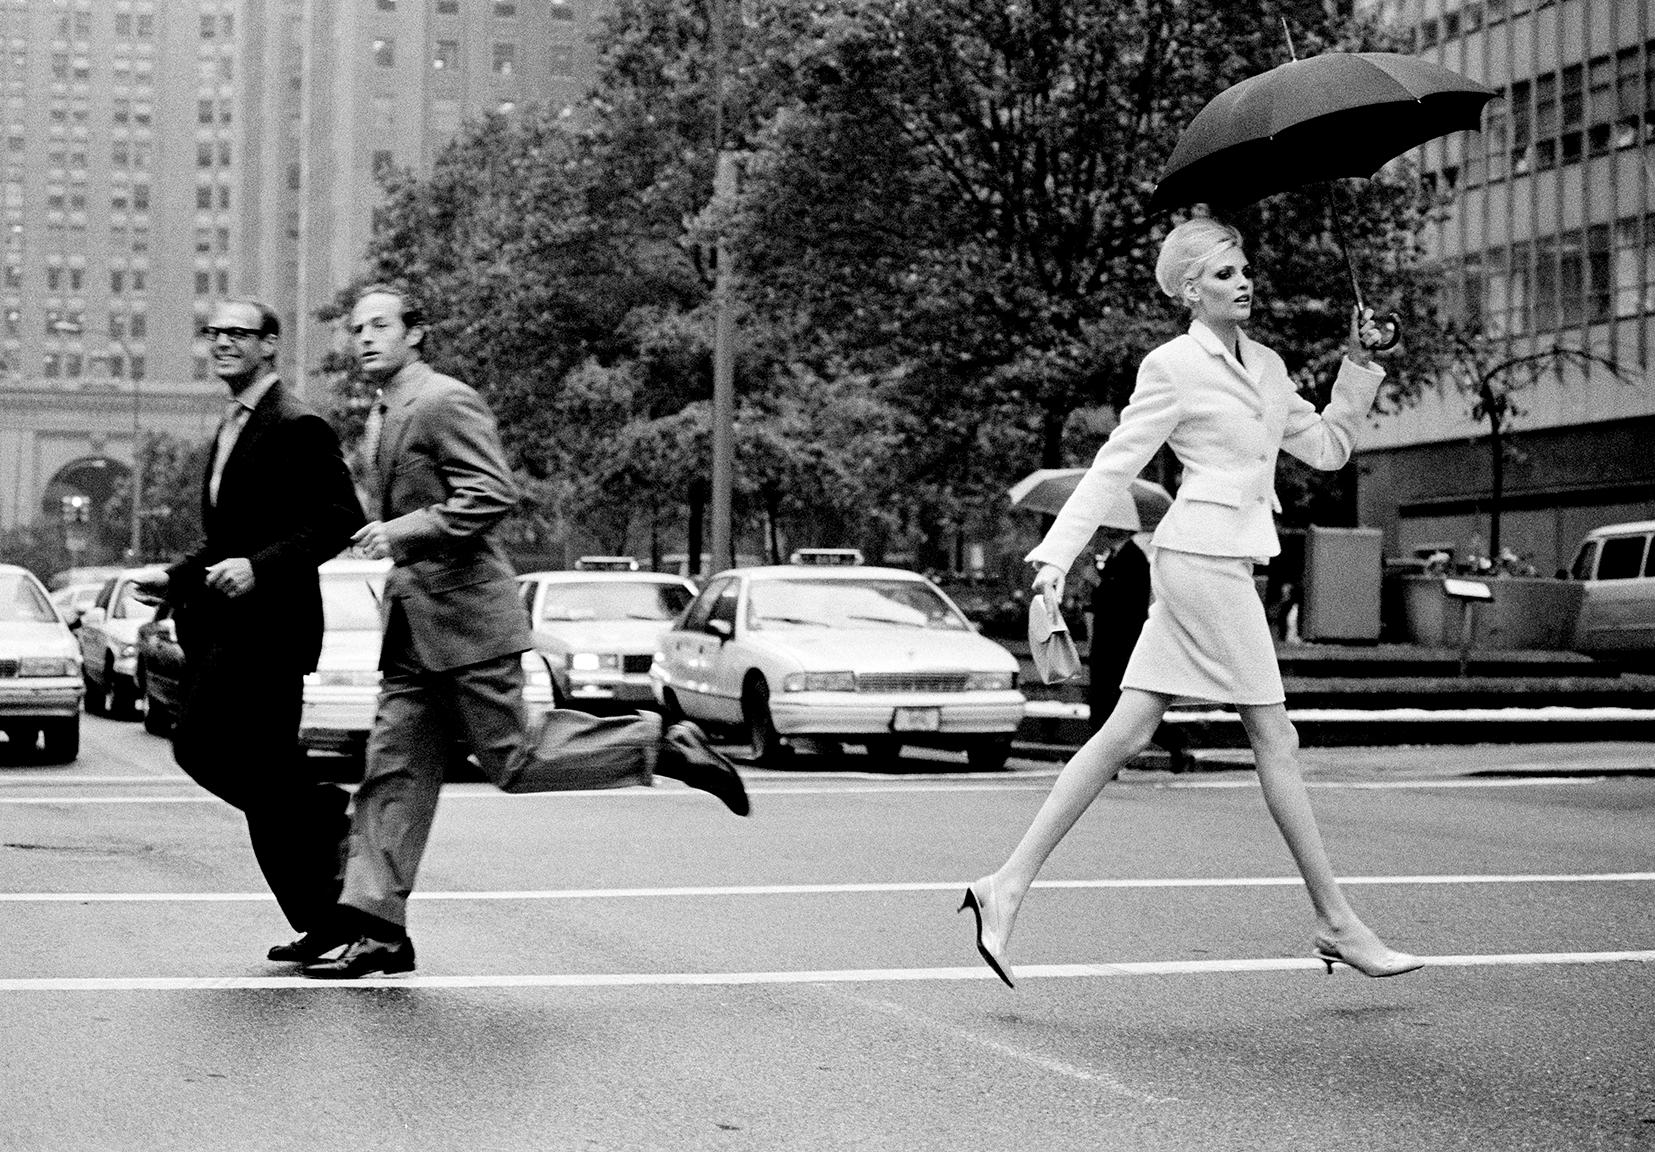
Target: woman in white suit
1227, 407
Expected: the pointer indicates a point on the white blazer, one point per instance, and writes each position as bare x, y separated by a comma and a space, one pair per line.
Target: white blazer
1226, 423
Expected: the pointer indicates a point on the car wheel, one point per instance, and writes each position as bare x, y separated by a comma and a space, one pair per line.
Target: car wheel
157, 720
120, 699
671, 713
761, 731
989, 754
94, 694
62, 740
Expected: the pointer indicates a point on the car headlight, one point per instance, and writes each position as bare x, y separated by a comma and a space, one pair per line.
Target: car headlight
593, 661
46, 666
990, 681
820, 682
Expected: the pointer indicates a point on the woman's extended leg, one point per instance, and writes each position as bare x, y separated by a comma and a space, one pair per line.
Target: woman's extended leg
999, 895
1340, 933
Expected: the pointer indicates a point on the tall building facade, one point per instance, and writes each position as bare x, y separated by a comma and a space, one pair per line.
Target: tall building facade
162, 154
1550, 242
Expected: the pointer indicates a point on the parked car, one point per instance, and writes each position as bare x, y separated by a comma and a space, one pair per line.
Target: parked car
596, 629
73, 599
40, 683
838, 652
109, 644
341, 695
1617, 611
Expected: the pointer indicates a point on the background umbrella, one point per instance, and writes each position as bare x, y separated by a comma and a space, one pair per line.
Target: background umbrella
1343, 114
1139, 510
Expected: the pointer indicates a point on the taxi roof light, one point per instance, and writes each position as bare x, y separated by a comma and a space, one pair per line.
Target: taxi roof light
827, 557
606, 564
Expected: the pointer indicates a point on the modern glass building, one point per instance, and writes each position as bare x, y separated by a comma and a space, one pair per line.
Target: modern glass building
1550, 243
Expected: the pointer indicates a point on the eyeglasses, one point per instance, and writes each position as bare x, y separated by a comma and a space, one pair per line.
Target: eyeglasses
210, 333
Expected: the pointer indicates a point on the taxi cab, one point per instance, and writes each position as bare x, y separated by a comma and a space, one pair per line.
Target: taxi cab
828, 649
596, 627
40, 681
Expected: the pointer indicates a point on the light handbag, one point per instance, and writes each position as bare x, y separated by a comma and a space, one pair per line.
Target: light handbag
1050, 645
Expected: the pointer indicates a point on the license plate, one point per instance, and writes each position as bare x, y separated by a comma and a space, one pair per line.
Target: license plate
916, 720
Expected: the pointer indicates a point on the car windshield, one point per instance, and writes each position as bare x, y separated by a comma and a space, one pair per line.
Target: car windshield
614, 600
21, 602
870, 603
350, 601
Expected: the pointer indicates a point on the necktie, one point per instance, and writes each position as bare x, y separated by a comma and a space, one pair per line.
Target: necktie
227, 433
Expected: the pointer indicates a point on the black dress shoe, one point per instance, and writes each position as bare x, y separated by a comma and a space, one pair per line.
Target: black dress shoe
686, 756
310, 946
366, 957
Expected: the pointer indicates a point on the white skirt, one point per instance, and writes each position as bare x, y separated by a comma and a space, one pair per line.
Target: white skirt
1207, 637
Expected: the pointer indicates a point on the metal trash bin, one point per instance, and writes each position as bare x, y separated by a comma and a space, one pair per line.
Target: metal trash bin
1342, 569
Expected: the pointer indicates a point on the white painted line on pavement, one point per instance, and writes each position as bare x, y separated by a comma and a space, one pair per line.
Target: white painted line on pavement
826, 976
1062, 710
841, 889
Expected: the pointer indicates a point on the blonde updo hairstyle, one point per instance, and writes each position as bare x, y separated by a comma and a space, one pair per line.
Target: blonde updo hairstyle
1186, 250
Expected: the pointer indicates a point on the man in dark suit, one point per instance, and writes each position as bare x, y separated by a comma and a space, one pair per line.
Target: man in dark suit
277, 500
438, 487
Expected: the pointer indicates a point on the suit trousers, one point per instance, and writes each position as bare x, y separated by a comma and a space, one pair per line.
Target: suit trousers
426, 718
237, 736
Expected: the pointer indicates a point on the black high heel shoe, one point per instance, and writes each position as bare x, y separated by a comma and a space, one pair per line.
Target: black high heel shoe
993, 961
1374, 959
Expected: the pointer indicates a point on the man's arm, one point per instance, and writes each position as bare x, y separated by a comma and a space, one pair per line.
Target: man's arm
325, 508
479, 485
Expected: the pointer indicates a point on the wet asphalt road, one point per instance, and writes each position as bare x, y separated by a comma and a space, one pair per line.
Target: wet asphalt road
639, 970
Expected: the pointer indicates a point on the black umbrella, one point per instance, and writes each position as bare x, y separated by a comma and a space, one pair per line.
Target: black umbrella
1343, 114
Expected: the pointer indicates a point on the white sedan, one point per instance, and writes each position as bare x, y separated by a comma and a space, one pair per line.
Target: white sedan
872, 656
40, 685
596, 631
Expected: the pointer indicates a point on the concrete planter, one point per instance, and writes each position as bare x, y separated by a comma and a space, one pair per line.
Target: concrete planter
1526, 612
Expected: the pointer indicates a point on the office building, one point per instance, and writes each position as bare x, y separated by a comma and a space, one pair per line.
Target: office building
1550, 242
161, 154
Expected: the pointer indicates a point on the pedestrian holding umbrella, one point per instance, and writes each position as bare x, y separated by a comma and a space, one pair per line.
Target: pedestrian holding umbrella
1317, 120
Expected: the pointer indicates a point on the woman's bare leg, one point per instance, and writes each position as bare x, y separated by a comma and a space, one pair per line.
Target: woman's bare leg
1340, 933
1276, 753
1127, 732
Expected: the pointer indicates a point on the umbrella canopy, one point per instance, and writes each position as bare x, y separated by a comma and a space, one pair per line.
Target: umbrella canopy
1323, 118
1046, 490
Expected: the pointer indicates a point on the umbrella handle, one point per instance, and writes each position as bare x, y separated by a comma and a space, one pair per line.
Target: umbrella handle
1393, 328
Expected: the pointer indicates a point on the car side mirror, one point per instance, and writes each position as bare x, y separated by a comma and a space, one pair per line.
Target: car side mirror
721, 629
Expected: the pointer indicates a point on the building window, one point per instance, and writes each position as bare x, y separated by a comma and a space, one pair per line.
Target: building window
139, 324
561, 9
204, 196
140, 197
382, 163
204, 155
1631, 276
560, 59
51, 365
386, 5
385, 52
198, 366
505, 59
203, 283
448, 7
447, 56
209, 27
137, 367
505, 7
203, 111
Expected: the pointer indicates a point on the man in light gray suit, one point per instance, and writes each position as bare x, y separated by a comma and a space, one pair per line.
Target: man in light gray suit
437, 488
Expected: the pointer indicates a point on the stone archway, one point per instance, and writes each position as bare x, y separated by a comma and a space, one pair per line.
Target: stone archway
78, 497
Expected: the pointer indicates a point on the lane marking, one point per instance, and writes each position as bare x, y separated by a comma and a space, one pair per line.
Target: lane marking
1065, 710
1037, 783
841, 889
826, 976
